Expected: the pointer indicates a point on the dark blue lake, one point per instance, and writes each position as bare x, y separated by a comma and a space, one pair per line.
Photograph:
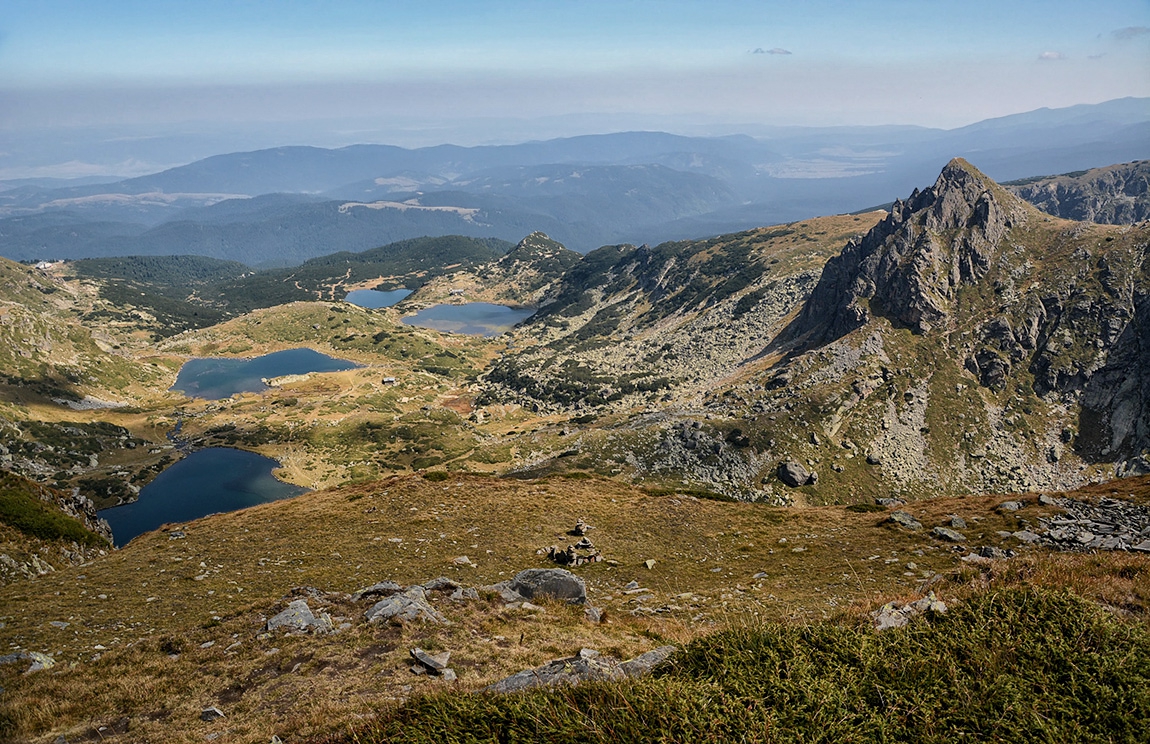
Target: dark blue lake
472, 319
374, 298
208, 481
216, 377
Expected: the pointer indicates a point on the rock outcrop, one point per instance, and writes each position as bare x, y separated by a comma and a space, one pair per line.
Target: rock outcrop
1115, 194
910, 266
587, 665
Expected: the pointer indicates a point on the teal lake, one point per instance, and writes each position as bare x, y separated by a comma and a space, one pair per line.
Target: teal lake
208, 481
471, 319
214, 378
374, 298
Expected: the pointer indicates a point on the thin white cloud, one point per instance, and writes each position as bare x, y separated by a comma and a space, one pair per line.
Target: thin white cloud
1051, 56
1130, 32
774, 50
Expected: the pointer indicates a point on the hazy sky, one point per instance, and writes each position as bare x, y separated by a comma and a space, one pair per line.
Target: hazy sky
429, 70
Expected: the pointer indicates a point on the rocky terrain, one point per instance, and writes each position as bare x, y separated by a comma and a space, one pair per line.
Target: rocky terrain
966, 342
522, 277
629, 447
1115, 194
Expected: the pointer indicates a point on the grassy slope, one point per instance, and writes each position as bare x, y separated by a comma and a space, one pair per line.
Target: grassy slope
160, 596
1006, 666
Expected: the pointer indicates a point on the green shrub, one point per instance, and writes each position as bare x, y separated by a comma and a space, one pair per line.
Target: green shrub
1006, 666
22, 509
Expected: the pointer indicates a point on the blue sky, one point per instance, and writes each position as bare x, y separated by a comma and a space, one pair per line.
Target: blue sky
428, 66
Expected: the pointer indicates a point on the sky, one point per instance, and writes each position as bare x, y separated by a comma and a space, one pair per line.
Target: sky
421, 72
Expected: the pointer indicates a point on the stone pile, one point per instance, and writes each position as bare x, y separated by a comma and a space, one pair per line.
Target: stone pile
1110, 524
580, 553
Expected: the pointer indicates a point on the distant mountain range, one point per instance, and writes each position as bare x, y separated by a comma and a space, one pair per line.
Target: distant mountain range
284, 205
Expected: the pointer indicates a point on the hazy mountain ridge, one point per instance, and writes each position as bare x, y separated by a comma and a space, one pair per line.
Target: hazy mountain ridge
647, 186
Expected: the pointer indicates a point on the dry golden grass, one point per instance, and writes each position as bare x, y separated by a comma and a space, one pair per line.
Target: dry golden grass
219, 584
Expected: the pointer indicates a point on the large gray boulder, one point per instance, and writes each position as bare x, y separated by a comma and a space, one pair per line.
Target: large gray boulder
298, 616
904, 519
794, 474
557, 583
406, 606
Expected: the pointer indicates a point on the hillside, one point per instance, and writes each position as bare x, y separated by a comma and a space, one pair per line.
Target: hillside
523, 276
964, 304
1115, 194
150, 636
402, 264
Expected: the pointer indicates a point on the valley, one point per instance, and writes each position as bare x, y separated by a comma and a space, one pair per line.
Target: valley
783, 427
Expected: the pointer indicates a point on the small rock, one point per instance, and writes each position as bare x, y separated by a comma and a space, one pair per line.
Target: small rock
957, 522
211, 714
649, 563
442, 584
1045, 500
434, 662
382, 589
904, 519
298, 616
448, 675
1010, 506
593, 615
39, 661
463, 561
462, 594
643, 664
891, 501
873, 459
1026, 536
557, 583
948, 534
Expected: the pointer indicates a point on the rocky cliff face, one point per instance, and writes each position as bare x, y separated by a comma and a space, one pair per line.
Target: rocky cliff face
910, 267
1116, 194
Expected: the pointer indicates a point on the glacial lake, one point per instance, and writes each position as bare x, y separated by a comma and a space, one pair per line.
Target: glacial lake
472, 319
374, 298
208, 481
214, 378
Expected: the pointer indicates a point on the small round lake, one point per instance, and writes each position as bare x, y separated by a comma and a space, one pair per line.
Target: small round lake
208, 481
217, 377
472, 318
374, 298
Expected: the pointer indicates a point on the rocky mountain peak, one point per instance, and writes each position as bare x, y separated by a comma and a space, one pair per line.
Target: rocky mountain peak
909, 267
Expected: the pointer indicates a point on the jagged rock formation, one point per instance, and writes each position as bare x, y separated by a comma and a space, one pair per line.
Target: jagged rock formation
1115, 194
1029, 306
910, 267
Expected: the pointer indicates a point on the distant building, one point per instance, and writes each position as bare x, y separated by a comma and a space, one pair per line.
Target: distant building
456, 292
389, 381
45, 265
